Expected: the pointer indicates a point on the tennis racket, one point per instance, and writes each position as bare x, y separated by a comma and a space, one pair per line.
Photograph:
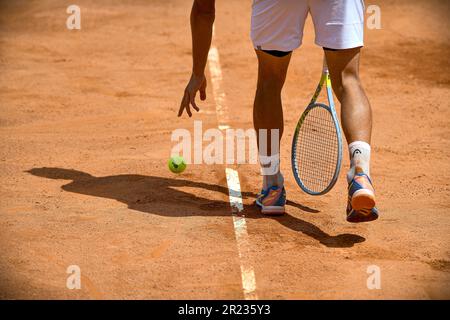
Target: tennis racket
317, 143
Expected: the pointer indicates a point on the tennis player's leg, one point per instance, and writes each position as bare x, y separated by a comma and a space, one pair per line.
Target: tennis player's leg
339, 30
356, 113
268, 113
276, 30
268, 123
356, 118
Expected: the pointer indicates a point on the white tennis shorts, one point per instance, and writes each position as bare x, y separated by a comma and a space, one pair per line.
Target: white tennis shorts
278, 24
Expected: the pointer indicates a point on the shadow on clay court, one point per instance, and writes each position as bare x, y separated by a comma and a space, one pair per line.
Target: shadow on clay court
163, 196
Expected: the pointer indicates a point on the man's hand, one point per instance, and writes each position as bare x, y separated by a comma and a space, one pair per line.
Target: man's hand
196, 83
202, 20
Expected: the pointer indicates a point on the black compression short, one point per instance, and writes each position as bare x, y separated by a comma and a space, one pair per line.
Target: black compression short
277, 53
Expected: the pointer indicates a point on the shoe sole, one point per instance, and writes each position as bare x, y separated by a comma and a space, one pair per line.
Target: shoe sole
358, 217
363, 200
272, 210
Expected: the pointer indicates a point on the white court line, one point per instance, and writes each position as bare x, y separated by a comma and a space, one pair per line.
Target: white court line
234, 186
240, 231
216, 79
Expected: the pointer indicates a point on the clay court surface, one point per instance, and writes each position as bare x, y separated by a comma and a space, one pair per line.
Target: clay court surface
86, 119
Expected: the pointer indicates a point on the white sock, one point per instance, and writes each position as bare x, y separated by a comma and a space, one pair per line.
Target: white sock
359, 157
270, 170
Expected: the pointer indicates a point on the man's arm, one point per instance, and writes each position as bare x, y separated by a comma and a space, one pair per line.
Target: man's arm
202, 20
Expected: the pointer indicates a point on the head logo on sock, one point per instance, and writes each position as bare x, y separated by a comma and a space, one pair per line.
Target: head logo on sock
356, 151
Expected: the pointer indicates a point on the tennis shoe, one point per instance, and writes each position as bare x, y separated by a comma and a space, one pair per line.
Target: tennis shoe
361, 199
272, 200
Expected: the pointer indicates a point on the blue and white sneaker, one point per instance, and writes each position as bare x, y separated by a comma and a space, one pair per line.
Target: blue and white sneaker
272, 201
361, 199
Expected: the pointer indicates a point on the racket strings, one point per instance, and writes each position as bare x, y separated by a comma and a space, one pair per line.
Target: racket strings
317, 150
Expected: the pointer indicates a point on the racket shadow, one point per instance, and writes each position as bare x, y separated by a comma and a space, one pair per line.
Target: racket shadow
345, 240
162, 196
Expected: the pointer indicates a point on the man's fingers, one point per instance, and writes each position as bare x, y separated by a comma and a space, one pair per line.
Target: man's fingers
202, 94
188, 108
183, 103
203, 91
194, 105
180, 111
189, 98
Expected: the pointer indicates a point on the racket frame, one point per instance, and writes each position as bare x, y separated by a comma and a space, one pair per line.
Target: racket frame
324, 80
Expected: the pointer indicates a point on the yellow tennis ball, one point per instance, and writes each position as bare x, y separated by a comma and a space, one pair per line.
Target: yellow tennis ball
177, 164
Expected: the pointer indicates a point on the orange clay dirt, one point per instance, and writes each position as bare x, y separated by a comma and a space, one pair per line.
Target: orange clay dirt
86, 120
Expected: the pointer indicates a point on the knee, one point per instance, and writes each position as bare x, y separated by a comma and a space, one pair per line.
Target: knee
271, 76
